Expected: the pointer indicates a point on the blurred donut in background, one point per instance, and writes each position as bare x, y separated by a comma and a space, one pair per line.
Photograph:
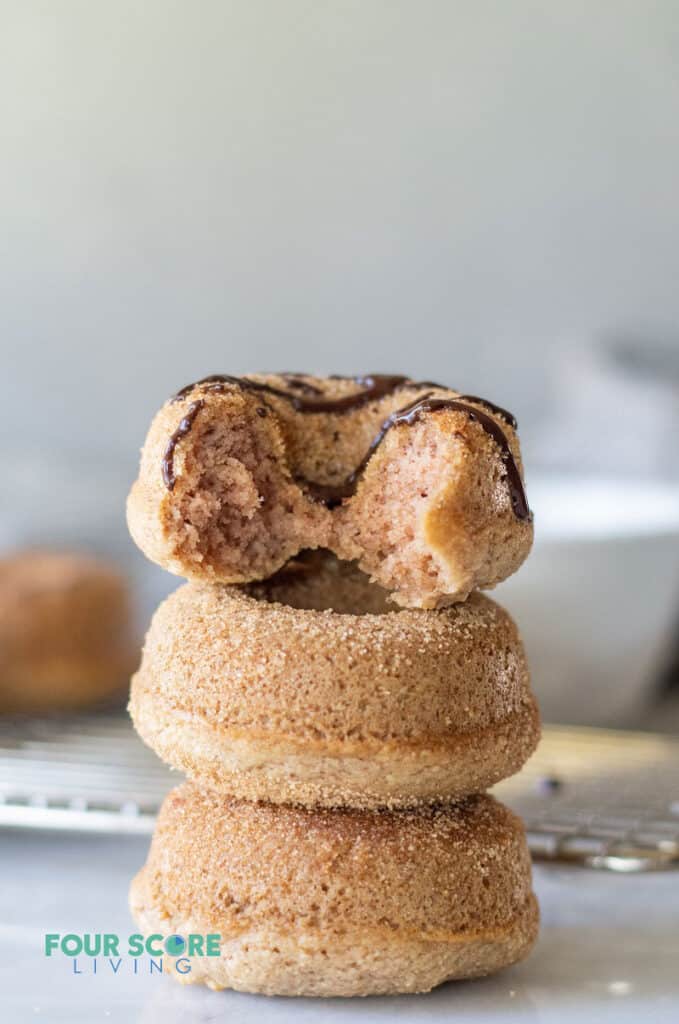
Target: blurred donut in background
67, 636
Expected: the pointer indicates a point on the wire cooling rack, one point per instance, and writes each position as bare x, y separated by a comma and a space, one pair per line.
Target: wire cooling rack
601, 798
87, 772
588, 796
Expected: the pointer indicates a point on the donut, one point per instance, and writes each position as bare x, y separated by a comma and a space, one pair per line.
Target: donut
421, 486
66, 631
338, 902
310, 688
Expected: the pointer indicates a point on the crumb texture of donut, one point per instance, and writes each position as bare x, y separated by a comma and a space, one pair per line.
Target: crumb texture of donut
339, 902
236, 478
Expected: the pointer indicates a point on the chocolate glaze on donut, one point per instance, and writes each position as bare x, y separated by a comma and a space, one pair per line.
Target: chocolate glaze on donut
506, 415
409, 414
182, 430
297, 382
375, 387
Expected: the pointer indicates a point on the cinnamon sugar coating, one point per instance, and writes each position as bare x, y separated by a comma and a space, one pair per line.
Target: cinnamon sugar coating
276, 691
329, 833
431, 518
418, 896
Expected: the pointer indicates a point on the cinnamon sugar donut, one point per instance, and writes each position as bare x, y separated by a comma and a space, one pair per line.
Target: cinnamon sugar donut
418, 484
66, 631
341, 902
306, 689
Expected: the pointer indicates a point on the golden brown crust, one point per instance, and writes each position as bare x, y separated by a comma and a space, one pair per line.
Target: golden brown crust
66, 631
295, 704
431, 518
329, 735
434, 893
393, 775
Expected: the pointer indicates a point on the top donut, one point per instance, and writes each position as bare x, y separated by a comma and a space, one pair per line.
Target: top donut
422, 486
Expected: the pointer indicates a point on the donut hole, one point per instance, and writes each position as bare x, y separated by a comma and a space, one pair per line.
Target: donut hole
318, 581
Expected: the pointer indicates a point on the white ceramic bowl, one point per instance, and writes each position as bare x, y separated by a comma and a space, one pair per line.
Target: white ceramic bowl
598, 599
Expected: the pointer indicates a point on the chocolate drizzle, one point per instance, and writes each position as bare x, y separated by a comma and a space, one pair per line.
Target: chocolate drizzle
375, 387
182, 430
297, 383
497, 410
333, 495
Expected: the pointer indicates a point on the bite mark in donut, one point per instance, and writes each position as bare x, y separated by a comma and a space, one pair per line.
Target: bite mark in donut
375, 386
427, 495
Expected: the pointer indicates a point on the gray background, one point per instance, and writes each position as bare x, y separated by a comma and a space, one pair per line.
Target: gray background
462, 190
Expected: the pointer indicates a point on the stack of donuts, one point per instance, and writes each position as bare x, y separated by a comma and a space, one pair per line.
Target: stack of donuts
334, 685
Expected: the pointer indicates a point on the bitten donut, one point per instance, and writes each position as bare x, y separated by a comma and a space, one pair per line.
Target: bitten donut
66, 631
420, 485
342, 902
276, 691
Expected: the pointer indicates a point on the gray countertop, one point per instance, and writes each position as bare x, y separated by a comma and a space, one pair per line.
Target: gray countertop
608, 950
